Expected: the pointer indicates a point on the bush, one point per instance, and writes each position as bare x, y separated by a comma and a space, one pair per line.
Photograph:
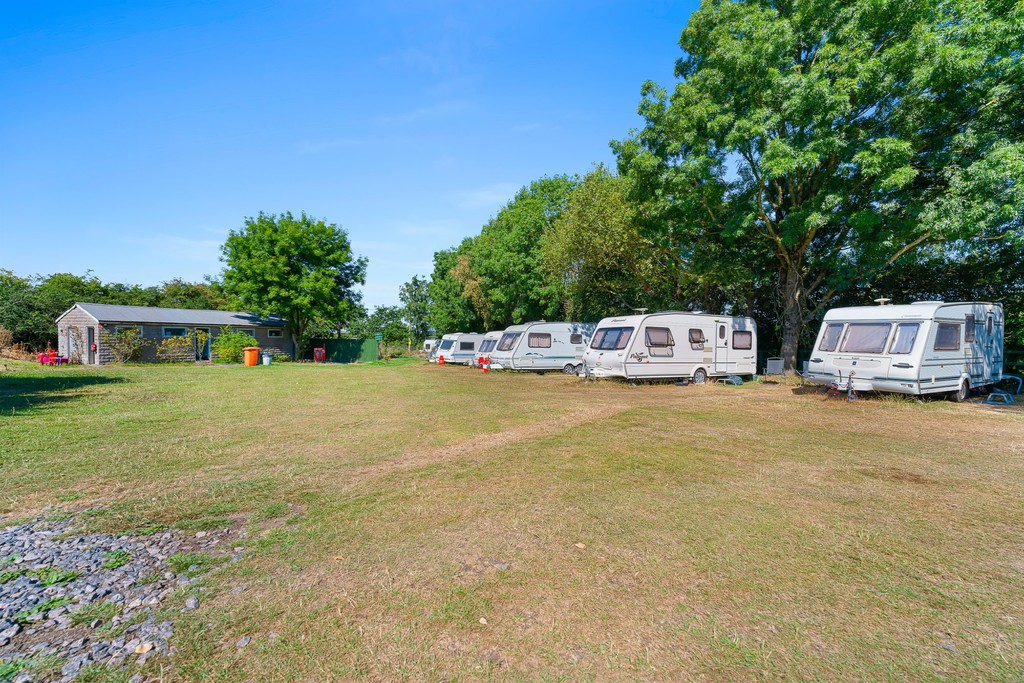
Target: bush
181, 349
125, 344
6, 338
227, 346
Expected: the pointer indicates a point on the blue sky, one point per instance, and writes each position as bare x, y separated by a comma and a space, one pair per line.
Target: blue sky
135, 135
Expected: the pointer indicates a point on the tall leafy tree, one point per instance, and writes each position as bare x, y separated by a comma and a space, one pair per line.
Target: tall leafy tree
415, 299
836, 137
450, 310
504, 275
300, 268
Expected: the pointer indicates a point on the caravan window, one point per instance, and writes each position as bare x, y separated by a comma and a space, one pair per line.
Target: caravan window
466, 346
947, 337
906, 335
611, 338
575, 338
697, 336
539, 340
487, 345
509, 340
447, 344
830, 340
969, 329
659, 337
903, 340
866, 337
742, 340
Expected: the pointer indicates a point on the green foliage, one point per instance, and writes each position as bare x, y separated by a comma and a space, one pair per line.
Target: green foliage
450, 310
227, 347
104, 611
193, 564
116, 558
50, 576
301, 268
40, 665
596, 249
183, 349
415, 298
101, 673
24, 615
269, 511
12, 574
6, 338
125, 344
859, 133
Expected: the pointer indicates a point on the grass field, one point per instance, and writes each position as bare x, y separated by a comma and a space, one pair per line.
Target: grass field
411, 522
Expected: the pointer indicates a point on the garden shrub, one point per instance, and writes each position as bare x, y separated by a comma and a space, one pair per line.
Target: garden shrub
227, 346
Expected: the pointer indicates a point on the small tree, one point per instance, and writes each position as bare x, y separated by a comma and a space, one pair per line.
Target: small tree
300, 268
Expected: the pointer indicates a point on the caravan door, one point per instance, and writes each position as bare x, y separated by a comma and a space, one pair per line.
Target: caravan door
721, 347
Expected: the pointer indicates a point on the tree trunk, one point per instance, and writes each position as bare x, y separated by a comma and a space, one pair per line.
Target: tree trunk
792, 315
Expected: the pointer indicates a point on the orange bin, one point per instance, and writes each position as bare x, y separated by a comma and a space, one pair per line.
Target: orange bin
251, 356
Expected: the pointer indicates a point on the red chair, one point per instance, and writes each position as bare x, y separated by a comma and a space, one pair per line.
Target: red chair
44, 358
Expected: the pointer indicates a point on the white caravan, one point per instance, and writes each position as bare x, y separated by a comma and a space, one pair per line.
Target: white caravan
487, 345
673, 344
428, 346
444, 347
541, 346
927, 347
463, 351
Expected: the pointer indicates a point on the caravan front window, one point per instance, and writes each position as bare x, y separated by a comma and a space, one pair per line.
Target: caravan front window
486, 345
866, 337
830, 339
611, 338
906, 335
509, 340
447, 344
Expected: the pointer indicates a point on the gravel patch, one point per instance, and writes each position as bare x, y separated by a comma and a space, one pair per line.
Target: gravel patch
82, 600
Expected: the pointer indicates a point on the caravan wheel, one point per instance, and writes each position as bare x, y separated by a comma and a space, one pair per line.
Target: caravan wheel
569, 369
700, 376
961, 394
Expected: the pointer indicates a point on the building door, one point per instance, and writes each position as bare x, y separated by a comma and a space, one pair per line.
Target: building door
203, 352
90, 344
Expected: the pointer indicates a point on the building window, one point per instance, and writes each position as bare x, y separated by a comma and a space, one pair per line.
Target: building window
742, 340
947, 337
280, 333
539, 340
906, 335
575, 338
611, 338
659, 337
866, 337
246, 330
122, 328
175, 331
969, 329
830, 339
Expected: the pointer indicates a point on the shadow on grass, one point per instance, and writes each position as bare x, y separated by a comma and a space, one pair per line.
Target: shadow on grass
23, 395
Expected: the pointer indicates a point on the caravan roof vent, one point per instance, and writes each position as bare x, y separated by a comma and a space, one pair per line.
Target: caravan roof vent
639, 311
883, 301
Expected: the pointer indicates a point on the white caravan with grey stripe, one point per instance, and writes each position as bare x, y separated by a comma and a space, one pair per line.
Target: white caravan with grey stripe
542, 346
464, 349
927, 347
673, 345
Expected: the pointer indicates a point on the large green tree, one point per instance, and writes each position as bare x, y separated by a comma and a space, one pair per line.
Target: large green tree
415, 299
450, 310
835, 137
504, 276
300, 268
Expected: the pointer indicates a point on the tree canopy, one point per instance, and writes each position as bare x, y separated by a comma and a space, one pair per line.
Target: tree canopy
835, 138
300, 268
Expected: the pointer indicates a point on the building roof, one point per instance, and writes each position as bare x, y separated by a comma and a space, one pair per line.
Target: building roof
176, 316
